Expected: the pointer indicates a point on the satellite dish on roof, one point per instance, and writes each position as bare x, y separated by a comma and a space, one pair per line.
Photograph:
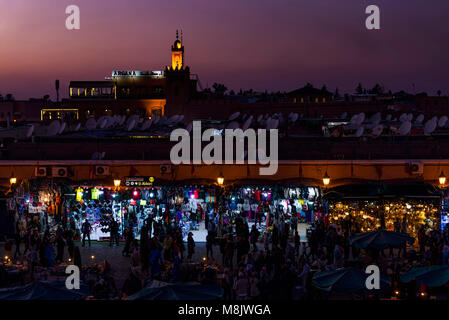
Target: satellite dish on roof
442, 122
247, 123
420, 118
233, 125
234, 116
91, 124
132, 118
53, 128
131, 125
156, 119
146, 125
377, 130
376, 118
95, 156
361, 118
122, 120
259, 118
403, 117
62, 128
359, 131
410, 117
109, 122
29, 131
102, 122
295, 117
354, 119
274, 124
172, 119
405, 128
430, 126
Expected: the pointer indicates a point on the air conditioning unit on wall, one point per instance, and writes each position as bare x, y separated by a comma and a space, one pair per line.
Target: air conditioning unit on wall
59, 172
102, 170
40, 171
416, 168
165, 168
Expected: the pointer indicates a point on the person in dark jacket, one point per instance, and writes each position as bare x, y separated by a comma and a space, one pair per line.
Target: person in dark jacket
113, 233
190, 246
254, 236
129, 238
209, 245
86, 229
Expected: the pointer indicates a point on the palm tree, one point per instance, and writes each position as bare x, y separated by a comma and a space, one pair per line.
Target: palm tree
219, 88
9, 97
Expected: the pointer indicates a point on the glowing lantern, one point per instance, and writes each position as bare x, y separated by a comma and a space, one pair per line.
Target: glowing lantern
326, 179
442, 179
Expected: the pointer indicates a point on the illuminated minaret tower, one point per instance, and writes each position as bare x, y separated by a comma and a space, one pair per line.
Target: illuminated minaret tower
179, 86
177, 54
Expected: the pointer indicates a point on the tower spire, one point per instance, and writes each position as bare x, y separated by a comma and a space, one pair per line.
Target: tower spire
177, 37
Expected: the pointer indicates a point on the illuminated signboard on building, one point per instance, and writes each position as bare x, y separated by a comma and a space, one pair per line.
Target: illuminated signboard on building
136, 73
139, 181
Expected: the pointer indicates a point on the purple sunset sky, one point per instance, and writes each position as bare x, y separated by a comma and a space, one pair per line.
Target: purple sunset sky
260, 44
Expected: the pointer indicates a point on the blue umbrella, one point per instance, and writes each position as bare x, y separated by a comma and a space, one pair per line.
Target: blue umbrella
158, 290
44, 290
431, 276
348, 280
380, 239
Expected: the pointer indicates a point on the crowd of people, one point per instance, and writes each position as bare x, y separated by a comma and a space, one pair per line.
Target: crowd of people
249, 261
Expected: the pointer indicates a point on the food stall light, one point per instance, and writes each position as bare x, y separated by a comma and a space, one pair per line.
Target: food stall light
92, 257
12, 180
135, 193
151, 194
220, 179
114, 195
442, 179
326, 179
204, 258
117, 182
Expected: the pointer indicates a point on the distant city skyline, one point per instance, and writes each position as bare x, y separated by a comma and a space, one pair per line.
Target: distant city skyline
261, 45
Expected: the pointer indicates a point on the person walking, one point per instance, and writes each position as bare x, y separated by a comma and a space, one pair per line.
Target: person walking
60, 245
190, 246
209, 245
113, 233
129, 238
86, 228
254, 236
